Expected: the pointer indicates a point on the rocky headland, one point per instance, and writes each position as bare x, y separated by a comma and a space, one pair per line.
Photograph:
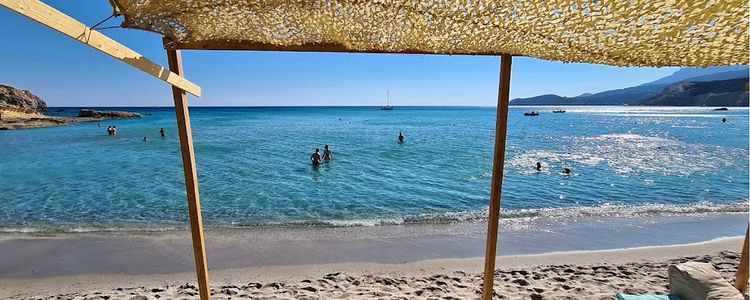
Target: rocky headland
20, 109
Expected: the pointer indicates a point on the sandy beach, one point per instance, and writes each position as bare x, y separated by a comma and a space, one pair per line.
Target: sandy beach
565, 275
402, 262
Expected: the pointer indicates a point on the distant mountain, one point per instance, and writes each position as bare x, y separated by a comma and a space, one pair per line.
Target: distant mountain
732, 92
719, 76
702, 74
627, 96
639, 94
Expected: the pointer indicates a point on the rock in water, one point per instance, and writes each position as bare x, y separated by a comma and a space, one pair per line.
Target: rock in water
90, 113
20, 109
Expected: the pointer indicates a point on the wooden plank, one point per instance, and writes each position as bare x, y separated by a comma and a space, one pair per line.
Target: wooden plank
52, 18
317, 47
740, 280
498, 166
191, 177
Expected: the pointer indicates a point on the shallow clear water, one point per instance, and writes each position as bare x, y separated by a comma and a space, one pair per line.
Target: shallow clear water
254, 168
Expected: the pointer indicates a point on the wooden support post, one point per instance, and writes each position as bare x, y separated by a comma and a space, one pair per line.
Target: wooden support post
191, 176
740, 280
62, 23
498, 165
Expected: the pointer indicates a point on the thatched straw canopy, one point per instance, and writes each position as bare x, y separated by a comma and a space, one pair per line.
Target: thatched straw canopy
620, 33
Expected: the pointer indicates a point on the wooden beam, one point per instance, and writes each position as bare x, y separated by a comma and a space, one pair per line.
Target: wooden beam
52, 18
191, 177
740, 280
498, 165
313, 47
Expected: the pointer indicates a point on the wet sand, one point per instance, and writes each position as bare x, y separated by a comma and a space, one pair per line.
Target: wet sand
26, 255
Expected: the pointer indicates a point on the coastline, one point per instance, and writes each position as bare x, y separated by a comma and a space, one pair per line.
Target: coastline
44, 255
90, 249
565, 275
17, 118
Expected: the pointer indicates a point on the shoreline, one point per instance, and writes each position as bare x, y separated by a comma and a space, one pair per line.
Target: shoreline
17, 119
516, 218
37, 256
643, 270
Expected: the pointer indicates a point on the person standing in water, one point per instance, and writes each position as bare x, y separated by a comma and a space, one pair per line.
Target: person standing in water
327, 154
538, 166
315, 157
162, 133
723, 120
400, 137
567, 171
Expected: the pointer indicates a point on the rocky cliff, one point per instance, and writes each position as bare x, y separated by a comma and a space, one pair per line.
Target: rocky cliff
21, 99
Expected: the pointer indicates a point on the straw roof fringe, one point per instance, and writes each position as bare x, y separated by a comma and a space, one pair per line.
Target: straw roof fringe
619, 33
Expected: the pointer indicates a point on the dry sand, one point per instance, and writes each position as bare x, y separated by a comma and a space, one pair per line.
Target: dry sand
568, 275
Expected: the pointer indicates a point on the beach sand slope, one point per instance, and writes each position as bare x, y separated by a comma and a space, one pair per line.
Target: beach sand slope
568, 275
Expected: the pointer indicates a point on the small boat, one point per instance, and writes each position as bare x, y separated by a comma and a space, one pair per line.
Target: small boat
388, 105
531, 114
721, 108
558, 111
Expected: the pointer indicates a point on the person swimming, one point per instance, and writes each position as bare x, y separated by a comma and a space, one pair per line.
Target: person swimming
162, 133
723, 120
400, 137
145, 139
327, 154
315, 157
566, 171
538, 166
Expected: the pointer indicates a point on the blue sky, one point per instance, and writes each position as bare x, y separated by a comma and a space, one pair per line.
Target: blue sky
67, 73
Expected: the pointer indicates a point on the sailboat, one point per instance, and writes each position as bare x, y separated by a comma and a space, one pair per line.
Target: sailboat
388, 105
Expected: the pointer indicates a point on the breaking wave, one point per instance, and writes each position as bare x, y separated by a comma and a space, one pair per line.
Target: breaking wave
514, 217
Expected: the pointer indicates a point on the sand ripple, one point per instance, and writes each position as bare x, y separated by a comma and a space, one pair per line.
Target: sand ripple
597, 281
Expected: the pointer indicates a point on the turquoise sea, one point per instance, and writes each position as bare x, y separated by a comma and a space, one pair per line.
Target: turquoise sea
254, 168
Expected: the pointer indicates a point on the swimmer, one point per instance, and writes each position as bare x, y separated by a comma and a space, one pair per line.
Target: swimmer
162, 133
327, 154
538, 166
723, 120
400, 137
315, 157
566, 171
145, 139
